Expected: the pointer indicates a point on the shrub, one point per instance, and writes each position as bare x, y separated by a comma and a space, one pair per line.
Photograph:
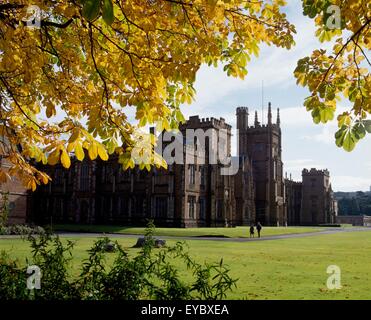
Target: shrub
12, 279
19, 229
150, 274
4, 208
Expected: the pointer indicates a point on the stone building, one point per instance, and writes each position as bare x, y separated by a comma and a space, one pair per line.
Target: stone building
193, 191
293, 197
185, 195
16, 196
361, 221
311, 202
262, 145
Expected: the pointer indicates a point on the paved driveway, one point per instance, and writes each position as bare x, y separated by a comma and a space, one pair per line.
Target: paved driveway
263, 238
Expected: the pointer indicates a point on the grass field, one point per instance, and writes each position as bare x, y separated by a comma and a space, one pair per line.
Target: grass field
238, 232
272, 269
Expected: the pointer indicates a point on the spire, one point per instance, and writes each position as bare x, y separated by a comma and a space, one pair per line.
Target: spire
256, 119
278, 117
269, 114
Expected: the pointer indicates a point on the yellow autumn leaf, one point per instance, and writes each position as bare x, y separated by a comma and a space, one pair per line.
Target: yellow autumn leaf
102, 152
65, 159
79, 152
54, 157
75, 135
93, 151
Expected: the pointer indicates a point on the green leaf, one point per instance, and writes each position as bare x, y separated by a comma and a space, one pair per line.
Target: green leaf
327, 114
359, 131
339, 136
108, 16
349, 142
179, 116
316, 116
367, 124
91, 9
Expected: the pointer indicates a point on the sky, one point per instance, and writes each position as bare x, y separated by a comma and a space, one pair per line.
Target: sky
304, 144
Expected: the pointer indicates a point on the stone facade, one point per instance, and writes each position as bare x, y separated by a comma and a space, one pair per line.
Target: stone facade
293, 196
311, 202
262, 145
16, 196
364, 221
184, 195
191, 193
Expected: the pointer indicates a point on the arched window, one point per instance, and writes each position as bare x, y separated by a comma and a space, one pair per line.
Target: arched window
161, 207
202, 208
191, 206
191, 169
84, 177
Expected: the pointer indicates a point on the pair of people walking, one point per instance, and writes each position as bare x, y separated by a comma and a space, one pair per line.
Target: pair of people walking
252, 230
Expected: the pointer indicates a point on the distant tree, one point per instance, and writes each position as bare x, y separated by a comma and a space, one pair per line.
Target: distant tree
355, 209
360, 204
342, 72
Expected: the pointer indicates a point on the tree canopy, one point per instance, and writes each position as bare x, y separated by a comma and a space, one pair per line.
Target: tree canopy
67, 85
342, 73
71, 71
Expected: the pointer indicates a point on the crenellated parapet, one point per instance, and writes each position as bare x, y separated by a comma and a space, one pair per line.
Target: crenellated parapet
196, 121
315, 172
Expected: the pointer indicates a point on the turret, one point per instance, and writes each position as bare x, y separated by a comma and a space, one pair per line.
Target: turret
269, 114
256, 122
242, 118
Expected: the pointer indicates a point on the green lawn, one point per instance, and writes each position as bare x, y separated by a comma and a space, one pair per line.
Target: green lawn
238, 232
273, 269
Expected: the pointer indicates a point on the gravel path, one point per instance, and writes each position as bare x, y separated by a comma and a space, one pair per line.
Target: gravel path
263, 238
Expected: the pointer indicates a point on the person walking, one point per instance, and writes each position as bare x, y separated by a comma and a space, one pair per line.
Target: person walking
259, 227
252, 231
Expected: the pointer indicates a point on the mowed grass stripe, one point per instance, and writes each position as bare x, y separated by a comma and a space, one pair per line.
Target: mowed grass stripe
277, 269
238, 232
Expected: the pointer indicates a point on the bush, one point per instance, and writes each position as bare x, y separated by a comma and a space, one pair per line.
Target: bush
4, 230
19, 229
12, 279
4, 208
150, 274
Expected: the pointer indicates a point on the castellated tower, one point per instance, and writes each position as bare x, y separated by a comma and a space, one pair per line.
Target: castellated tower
262, 144
317, 200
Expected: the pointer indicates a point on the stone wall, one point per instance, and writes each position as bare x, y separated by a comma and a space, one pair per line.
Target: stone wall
17, 198
354, 220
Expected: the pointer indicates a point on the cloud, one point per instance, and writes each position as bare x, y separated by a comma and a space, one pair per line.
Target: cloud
350, 183
295, 117
325, 136
328, 130
296, 166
